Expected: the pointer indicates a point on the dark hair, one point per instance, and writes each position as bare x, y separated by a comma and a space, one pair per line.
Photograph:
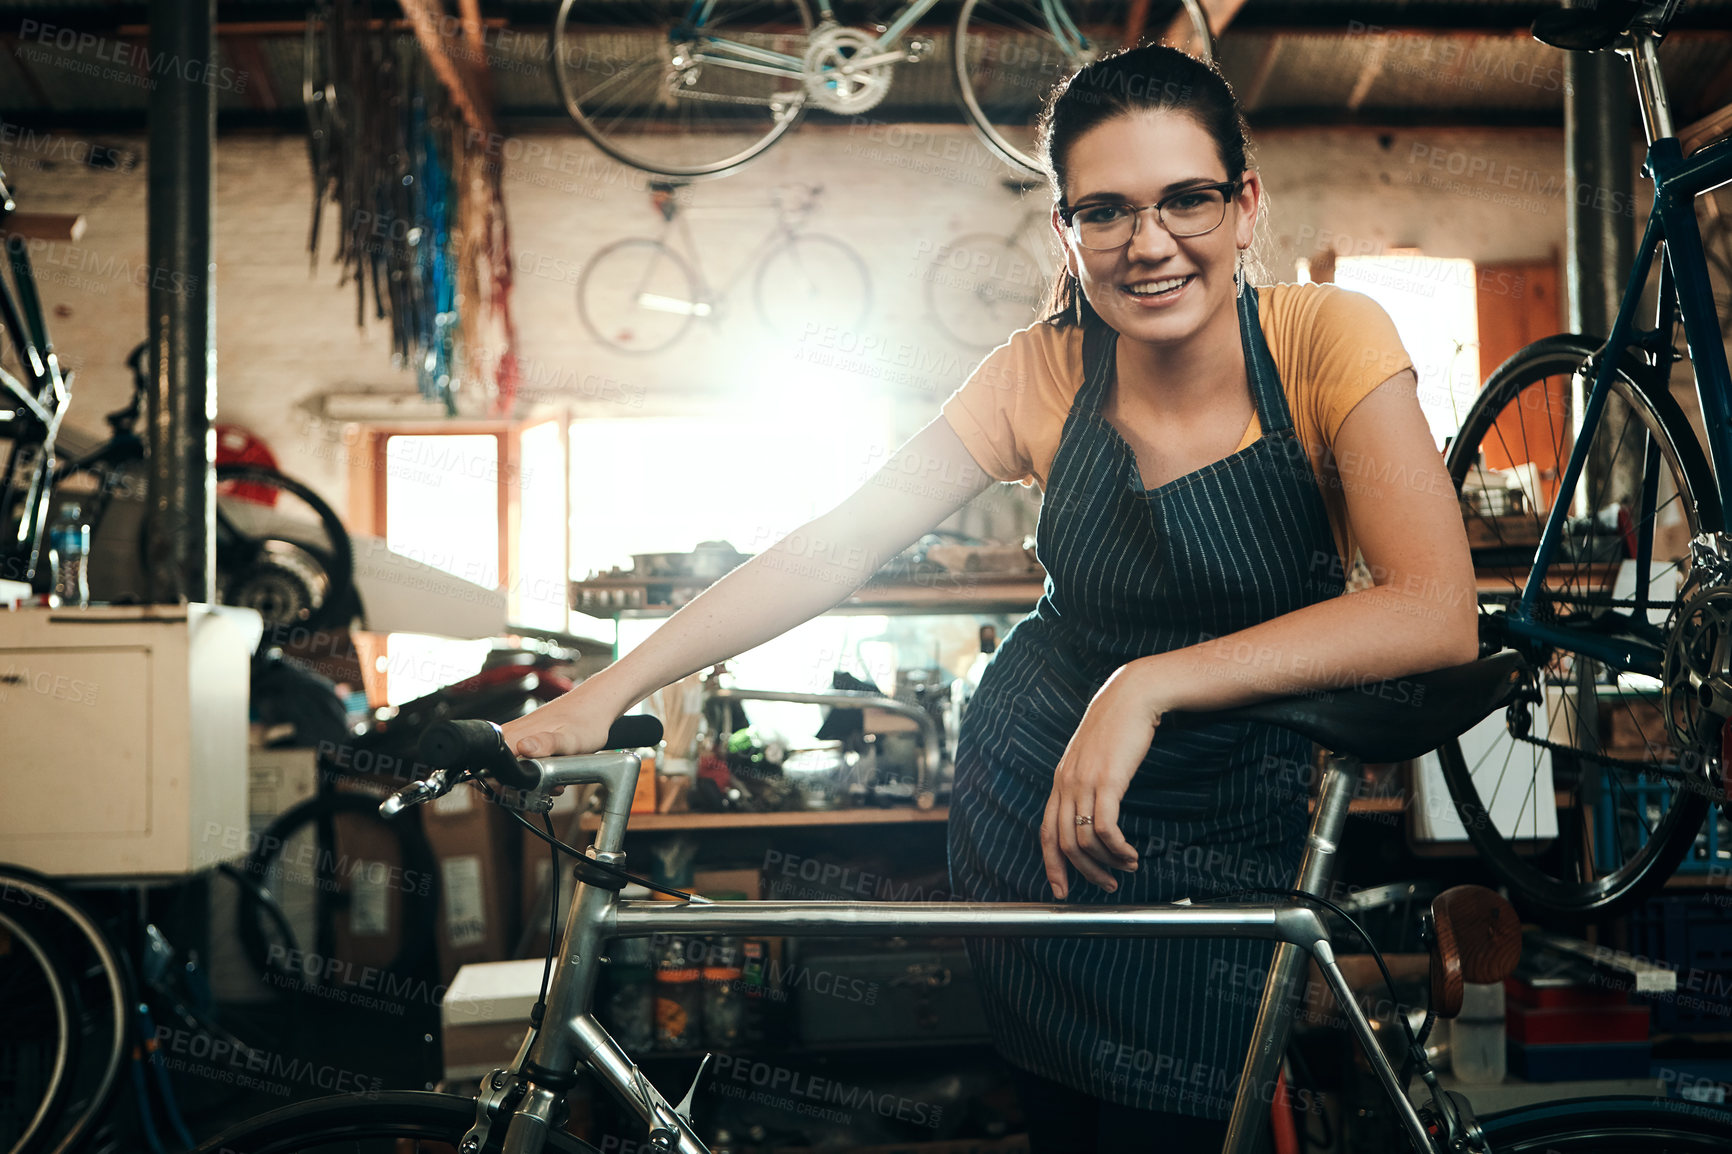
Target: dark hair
1152, 78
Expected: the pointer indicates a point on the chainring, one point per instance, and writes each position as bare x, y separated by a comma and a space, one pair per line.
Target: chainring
828, 50
1698, 647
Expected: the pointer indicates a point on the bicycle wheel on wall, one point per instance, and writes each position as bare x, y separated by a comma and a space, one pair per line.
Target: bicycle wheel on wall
1629, 804
682, 88
981, 288
638, 296
98, 994
1008, 54
389, 1123
808, 285
38, 1039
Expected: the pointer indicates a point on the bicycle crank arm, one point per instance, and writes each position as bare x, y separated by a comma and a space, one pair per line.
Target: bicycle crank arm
866, 63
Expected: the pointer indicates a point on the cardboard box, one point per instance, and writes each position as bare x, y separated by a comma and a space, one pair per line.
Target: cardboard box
485, 1015
476, 846
277, 781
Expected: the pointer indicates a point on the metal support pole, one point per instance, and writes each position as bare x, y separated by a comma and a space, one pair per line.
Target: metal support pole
1599, 228
1248, 1125
181, 561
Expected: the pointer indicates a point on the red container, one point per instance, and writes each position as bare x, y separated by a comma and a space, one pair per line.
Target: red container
1576, 1025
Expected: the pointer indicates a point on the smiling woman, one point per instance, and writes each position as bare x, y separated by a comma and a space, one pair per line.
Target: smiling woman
1212, 457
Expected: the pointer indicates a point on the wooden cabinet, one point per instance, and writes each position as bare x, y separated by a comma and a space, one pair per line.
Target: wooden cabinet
125, 738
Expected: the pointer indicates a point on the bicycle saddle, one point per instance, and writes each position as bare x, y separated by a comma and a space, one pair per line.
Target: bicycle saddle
1388, 720
1586, 29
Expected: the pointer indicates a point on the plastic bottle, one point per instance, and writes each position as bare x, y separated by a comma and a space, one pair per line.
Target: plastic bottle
1476, 1037
69, 542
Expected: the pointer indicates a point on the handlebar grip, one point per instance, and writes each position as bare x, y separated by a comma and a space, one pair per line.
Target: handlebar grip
477, 745
633, 730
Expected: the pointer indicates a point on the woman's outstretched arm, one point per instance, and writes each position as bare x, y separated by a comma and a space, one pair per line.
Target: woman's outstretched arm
807, 572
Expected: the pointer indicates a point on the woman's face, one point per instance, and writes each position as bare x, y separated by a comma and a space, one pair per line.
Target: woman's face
1157, 289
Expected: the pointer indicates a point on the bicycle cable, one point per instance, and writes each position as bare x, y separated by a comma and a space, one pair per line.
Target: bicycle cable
588, 870
1413, 1044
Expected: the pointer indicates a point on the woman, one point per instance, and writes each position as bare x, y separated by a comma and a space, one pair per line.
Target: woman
1208, 454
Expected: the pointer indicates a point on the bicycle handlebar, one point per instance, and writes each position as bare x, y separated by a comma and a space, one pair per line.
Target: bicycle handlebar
480, 745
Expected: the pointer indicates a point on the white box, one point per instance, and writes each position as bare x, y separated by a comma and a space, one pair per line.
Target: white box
485, 1015
124, 737
277, 781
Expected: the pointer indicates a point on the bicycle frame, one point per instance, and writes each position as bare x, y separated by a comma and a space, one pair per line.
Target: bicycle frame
1685, 287
35, 423
728, 54
787, 226
570, 1039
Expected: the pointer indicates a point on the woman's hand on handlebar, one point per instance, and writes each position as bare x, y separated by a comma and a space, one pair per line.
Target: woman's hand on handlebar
572, 723
1090, 781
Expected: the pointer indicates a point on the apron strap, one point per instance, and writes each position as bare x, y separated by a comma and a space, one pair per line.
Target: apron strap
1266, 392
1100, 343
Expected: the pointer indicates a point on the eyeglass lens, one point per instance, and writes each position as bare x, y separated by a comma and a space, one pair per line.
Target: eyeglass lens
1186, 214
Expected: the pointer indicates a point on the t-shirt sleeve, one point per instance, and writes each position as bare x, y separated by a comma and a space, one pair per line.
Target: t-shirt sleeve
1003, 413
1351, 349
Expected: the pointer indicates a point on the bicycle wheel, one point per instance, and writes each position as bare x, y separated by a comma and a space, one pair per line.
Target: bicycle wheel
808, 284
1629, 803
370, 1124
638, 296
682, 89
98, 994
38, 1043
350, 883
981, 288
1611, 1126
1008, 54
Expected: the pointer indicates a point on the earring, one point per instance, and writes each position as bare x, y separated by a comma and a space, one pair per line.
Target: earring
1239, 274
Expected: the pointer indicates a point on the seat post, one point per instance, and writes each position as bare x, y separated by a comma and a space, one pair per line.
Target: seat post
1248, 1125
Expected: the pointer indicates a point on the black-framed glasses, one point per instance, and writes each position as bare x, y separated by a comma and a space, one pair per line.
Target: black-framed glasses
1111, 224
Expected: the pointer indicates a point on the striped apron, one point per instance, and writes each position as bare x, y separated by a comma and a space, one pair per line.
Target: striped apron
1212, 810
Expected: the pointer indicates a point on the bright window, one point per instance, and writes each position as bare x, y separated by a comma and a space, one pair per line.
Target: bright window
441, 509
1433, 304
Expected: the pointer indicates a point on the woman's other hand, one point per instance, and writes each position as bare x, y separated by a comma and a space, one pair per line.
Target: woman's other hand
1091, 779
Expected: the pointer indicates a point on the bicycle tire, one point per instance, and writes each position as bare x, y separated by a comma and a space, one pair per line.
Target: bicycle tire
1567, 886
615, 315
1006, 55
981, 287
25, 1007
303, 969
1627, 1125
338, 562
394, 1116
101, 975
810, 283
671, 113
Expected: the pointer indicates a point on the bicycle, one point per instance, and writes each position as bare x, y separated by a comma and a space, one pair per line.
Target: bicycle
639, 295
983, 286
697, 89
1603, 554
519, 1108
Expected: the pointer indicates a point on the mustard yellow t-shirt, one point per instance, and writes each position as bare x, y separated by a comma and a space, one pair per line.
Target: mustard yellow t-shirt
1331, 347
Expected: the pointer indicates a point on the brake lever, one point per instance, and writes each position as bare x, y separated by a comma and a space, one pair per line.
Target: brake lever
435, 785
